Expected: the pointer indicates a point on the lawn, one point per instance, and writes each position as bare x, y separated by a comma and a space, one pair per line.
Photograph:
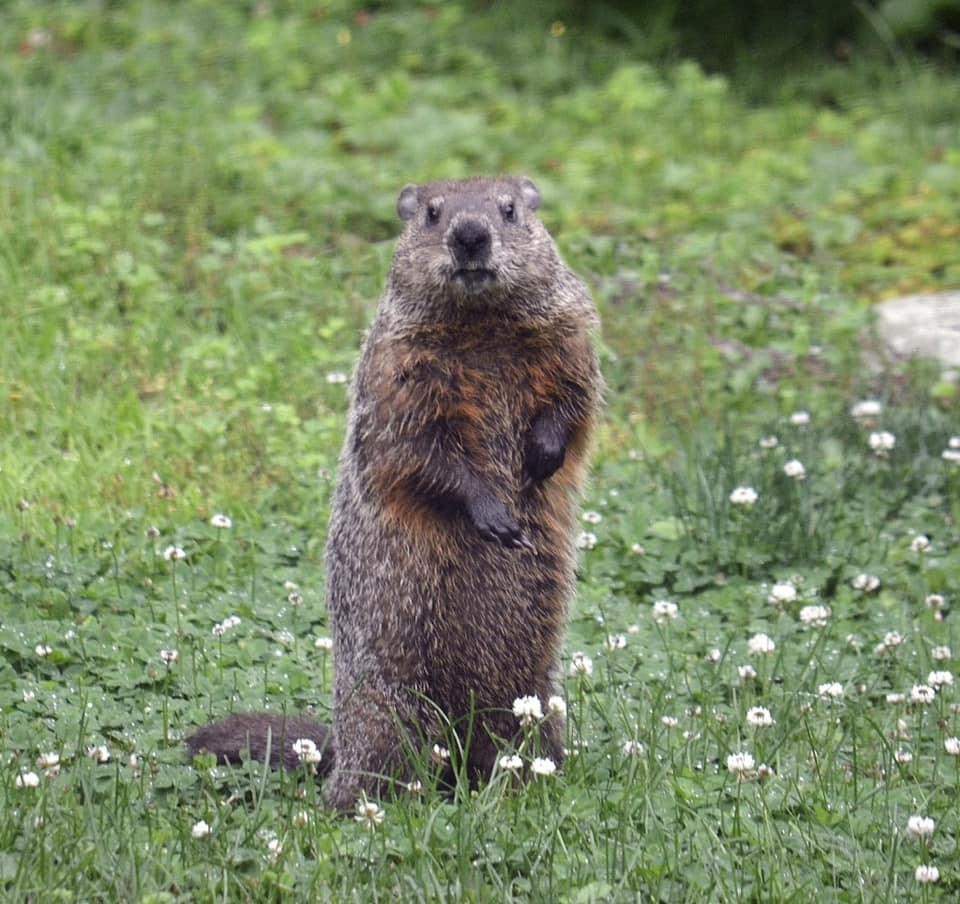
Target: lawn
197, 212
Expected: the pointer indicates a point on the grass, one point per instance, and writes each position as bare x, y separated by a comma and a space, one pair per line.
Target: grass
196, 219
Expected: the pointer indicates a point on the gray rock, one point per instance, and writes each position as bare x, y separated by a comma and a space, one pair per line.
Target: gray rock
924, 326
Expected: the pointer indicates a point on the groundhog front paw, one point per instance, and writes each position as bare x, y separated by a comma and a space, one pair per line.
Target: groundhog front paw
546, 445
544, 457
495, 523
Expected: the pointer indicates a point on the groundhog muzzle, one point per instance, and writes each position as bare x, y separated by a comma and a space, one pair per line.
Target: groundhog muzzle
450, 556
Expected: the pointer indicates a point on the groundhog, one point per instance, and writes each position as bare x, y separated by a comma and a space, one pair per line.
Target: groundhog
450, 558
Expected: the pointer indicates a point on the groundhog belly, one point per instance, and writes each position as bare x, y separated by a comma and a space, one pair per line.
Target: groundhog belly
497, 630
483, 620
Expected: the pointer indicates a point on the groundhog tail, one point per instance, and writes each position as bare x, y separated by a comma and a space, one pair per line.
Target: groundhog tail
258, 734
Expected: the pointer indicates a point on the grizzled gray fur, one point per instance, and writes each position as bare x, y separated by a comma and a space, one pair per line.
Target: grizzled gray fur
450, 557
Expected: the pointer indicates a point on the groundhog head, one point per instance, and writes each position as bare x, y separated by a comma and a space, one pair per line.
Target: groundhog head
474, 237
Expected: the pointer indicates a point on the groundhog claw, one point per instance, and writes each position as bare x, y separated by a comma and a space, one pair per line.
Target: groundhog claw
496, 524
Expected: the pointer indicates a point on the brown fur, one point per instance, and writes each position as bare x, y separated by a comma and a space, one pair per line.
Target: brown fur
450, 557
257, 733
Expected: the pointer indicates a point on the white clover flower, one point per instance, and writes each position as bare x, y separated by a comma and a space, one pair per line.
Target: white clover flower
440, 754
759, 717
831, 690
633, 748
295, 599
510, 762
903, 757
27, 780
895, 697
882, 442
920, 543
29, 696
891, 640
586, 540
926, 873
369, 814
795, 470
414, 787
99, 753
42, 650
769, 442
744, 496
670, 721
866, 409
616, 642
527, 709
274, 847
713, 656
782, 592
935, 601
301, 819
556, 705
954, 442
815, 616
746, 672
952, 746
941, 654
761, 645
169, 657
200, 829
542, 766
581, 665
741, 765
922, 693
174, 554
306, 751
940, 679
324, 643
133, 761
592, 517
951, 455
48, 761
664, 611
921, 826
218, 630
638, 549
800, 418
865, 582
221, 522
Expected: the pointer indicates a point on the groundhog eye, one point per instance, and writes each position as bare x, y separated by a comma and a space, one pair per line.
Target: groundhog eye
433, 213
509, 212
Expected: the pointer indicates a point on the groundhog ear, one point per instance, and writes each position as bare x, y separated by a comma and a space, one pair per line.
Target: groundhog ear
407, 202
531, 195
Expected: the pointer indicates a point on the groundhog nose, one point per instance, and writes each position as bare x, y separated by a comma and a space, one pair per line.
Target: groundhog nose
471, 240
